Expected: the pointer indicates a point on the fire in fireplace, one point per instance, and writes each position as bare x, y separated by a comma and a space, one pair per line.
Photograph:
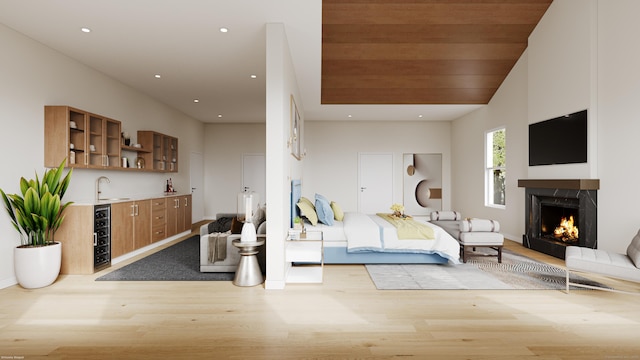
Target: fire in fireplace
560, 223
560, 213
566, 231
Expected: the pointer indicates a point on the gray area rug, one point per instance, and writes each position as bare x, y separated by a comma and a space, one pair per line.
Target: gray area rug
479, 273
179, 262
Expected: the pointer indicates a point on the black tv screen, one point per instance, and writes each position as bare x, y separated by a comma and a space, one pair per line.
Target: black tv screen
561, 140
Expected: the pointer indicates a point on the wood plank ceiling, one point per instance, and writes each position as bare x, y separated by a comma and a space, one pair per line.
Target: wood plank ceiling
422, 51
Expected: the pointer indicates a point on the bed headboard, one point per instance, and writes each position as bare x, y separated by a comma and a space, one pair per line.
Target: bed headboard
296, 193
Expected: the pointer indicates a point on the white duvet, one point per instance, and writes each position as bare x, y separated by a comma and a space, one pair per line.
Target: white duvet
373, 233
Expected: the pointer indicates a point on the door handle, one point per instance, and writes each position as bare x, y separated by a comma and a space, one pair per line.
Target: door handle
362, 189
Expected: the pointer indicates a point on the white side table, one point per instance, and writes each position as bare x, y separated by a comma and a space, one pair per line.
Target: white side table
308, 253
248, 272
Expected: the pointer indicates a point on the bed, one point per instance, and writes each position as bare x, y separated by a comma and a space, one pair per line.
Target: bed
369, 239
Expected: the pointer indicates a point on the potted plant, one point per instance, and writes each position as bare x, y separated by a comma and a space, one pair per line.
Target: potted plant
297, 223
36, 214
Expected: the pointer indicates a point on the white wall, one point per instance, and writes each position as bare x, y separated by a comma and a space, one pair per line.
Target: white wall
618, 125
281, 166
553, 77
331, 165
224, 145
562, 68
580, 56
33, 76
507, 108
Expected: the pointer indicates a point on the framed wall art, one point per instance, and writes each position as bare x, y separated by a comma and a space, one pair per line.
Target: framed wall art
296, 136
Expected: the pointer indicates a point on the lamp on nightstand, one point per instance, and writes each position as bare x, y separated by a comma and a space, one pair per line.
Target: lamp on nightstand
247, 200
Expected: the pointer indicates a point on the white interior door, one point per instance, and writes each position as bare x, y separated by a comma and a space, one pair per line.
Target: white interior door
196, 175
375, 183
254, 176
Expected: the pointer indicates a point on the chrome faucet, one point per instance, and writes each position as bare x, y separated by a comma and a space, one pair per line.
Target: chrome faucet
98, 192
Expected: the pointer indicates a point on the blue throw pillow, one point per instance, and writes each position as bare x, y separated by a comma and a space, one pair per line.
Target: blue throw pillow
324, 211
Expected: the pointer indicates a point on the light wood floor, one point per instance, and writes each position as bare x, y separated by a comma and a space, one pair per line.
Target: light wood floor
344, 318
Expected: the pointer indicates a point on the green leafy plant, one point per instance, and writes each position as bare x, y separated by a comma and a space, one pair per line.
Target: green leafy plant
36, 213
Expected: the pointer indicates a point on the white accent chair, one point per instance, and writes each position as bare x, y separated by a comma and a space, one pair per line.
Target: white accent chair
601, 262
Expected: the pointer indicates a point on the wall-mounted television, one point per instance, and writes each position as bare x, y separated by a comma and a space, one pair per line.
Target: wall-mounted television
561, 140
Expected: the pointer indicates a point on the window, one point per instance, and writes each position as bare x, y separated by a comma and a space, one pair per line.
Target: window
495, 177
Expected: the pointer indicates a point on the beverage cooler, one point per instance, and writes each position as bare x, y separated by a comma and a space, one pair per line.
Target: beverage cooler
102, 237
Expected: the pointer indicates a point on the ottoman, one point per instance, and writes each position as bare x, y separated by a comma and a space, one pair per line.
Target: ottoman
471, 233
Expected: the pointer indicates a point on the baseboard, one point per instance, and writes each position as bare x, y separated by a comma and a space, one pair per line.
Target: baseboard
8, 282
274, 284
135, 253
218, 268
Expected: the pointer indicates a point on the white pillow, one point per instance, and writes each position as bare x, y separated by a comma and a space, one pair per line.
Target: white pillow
633, 250
475, 225
445, 215
259, 216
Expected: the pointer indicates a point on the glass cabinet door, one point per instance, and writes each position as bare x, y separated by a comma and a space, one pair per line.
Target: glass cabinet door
158, 152
170, 145
77, 138
96, 139
104, 142
113, 147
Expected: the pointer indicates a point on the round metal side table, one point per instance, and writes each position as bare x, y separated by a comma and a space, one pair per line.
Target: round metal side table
248, 272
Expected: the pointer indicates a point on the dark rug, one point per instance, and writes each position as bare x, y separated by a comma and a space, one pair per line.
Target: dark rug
179, 262
481, 273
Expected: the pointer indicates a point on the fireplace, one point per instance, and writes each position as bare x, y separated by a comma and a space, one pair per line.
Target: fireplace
560, 213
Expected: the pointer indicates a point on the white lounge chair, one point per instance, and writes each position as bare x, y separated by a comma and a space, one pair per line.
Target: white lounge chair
620, 266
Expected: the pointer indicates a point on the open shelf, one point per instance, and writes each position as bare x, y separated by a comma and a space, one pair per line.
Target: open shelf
133, 148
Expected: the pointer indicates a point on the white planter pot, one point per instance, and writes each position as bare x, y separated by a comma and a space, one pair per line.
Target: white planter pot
38, 266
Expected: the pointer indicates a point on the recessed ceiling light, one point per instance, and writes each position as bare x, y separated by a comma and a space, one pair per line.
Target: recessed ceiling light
349, 115
224, 30
420, 116
196, 100
219, 115
85, 30
253, 76
157, 76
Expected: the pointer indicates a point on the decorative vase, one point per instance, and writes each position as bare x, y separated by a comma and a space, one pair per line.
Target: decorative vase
37, 267
397, 214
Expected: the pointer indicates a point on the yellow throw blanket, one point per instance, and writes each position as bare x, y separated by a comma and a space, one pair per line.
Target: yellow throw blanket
409, 228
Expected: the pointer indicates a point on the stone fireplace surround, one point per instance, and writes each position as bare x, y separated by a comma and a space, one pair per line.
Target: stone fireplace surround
560, 192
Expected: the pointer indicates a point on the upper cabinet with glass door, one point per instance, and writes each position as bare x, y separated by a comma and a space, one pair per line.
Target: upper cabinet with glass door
65, 136
104, 142
93, 141
170, 153
164, 154
86, 140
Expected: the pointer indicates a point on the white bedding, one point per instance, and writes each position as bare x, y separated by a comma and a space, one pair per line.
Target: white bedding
373, 233
331, 233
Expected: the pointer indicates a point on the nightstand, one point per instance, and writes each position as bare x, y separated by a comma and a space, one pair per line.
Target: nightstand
305, 252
